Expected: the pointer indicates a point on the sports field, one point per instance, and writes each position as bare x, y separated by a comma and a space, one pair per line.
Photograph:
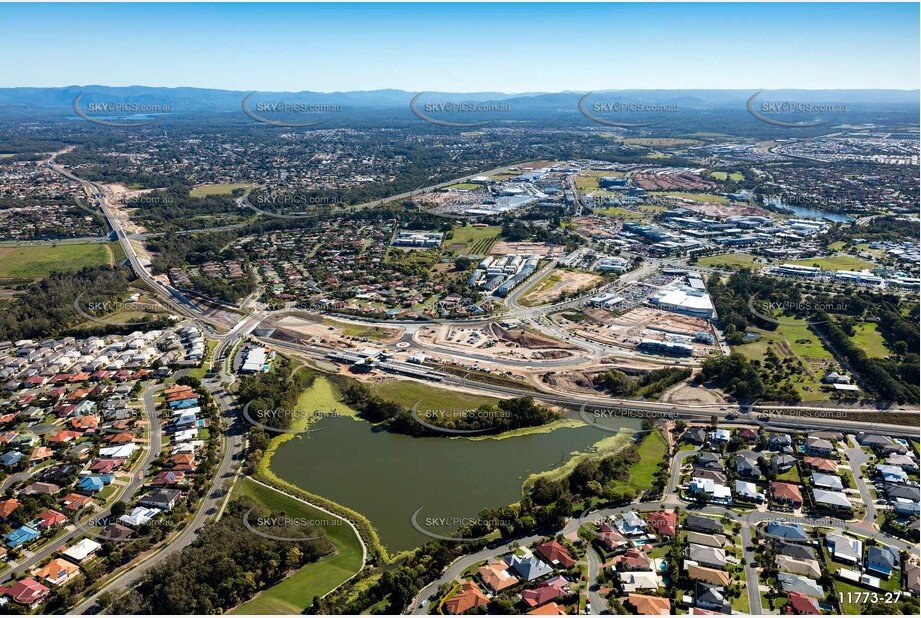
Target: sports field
38, 261
218, 189
475, 240
729, 259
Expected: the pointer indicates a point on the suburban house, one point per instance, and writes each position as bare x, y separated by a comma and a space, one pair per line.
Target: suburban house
882, 559
546, 591
163, 499
466, 599
632, 560
819, 446
556, 554
630, 525
821, 464
832, 500
631, 581
702, 524
496, 576
711, 597
609, 537
84, 550
801, 605
790, 582
827, 481
787, 494
645, 605
783, 463
809, 568
710, 540
26, 592
550, 609
793, 533
58, 572
747, 467
746, 490
665, 523
844, 548
716, 577
713, 557
528, 568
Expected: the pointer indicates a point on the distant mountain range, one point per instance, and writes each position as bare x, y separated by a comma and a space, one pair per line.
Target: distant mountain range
207, 99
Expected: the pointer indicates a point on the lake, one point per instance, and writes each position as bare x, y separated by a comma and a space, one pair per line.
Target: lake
388, 476
810, 213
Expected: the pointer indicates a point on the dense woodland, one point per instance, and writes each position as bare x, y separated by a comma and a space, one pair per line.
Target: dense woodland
649, 385
46, 308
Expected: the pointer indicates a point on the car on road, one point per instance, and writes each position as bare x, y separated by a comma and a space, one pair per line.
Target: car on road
424, 603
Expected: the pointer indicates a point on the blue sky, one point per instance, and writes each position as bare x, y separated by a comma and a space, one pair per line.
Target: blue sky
462, 47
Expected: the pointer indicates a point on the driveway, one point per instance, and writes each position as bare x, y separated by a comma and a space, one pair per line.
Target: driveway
857, 457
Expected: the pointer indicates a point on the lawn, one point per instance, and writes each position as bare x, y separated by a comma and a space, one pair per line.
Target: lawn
790, 476
643, 473
838, 262
476, 240
218, 189
868, 338
296, 593
407, 393
464, 185
728, 259
39, 261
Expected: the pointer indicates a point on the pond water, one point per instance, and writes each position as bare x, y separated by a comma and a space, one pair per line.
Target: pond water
388, 476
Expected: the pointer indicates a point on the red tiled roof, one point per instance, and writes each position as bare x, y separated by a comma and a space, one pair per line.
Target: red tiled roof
556, 553
801, 604
664, 522
786, 491
27, 591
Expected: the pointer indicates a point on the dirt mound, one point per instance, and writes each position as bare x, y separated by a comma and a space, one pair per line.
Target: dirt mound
527, 339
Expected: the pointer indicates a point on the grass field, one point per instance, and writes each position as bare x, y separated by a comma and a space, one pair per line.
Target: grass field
296, 593
652, 451
623, 213
798, 342
736, 176
868, 338
39, 261
476, 240
464, 185
729, 259
837, 262
376, 333
407, 393
219, 189
697, 197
